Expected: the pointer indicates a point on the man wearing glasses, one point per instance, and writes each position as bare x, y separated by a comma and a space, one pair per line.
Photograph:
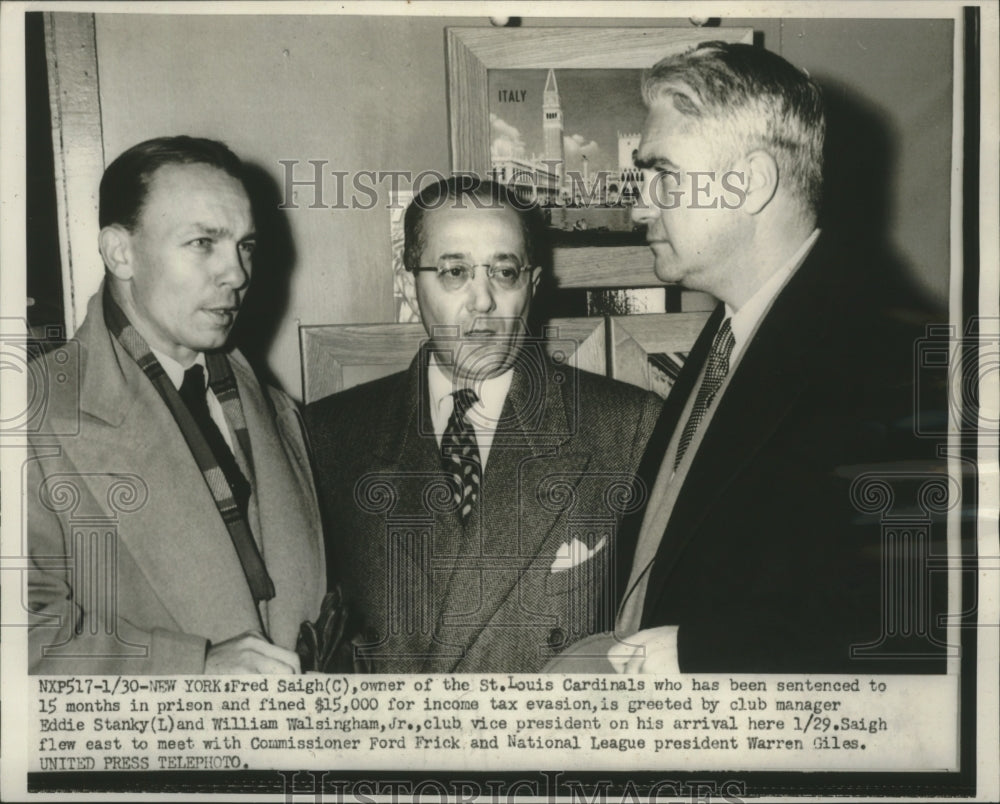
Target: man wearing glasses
472, 501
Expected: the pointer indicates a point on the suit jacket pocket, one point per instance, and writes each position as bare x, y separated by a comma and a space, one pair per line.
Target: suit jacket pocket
591, 571
580, 599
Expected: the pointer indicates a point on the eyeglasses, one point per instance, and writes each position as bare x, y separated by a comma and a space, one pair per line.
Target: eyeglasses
454, 273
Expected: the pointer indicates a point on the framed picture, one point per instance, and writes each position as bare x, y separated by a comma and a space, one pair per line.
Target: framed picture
563, 77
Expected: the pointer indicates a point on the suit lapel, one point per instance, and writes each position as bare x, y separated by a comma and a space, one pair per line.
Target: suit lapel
763, 389
406, 451
512, 526
656, 448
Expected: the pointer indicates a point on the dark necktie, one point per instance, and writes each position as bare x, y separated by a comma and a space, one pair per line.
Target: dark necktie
192, 391
715, 373
460, 453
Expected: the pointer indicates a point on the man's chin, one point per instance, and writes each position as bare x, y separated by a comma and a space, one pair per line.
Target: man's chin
667, 270
212, 342
474, 359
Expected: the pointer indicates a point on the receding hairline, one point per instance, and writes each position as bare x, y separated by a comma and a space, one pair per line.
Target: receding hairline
155, 178
192, 223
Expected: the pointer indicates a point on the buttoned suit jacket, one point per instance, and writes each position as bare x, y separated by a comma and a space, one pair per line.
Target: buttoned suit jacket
132, 568
430, 596
770, 560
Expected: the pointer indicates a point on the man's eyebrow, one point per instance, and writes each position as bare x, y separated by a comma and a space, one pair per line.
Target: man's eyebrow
654, 163
218, 231
496, 255
214, 231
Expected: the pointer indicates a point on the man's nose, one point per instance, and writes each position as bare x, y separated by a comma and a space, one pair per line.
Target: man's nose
233, 269
480, 299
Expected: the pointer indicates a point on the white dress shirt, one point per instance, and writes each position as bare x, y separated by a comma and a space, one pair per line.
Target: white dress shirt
745, 320
484, 415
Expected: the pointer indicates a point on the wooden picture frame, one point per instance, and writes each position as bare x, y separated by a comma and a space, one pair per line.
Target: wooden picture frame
336, 357
647, 350
472, 52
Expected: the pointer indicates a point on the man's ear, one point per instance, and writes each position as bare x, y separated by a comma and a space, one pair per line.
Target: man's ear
761, 181
408, 284
536, 277
408, 280
115, 244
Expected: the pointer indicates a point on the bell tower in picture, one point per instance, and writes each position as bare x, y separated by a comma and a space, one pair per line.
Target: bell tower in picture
552, 128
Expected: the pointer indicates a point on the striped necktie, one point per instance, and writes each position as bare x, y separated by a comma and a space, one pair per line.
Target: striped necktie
460, 454
193, 392
715, 374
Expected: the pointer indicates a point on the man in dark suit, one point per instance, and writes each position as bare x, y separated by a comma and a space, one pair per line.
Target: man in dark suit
172, 522
760, 548
473, 499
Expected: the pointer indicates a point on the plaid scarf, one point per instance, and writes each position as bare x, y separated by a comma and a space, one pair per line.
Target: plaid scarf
222, 381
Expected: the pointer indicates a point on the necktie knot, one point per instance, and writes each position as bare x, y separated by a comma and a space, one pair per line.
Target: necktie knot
464, 399
724, 340
715, 374
193, 387
718, 361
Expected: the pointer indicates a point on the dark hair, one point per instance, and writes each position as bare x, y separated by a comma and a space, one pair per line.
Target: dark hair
467, 191
744, 97
126, 180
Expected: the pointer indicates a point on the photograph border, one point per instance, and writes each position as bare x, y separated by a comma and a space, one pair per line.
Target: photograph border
468, 58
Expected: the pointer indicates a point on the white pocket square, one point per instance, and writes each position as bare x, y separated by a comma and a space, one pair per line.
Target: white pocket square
571, 554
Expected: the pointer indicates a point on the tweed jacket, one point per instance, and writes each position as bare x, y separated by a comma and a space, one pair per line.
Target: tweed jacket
429, 595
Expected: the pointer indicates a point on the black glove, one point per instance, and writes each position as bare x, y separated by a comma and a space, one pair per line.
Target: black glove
321, 645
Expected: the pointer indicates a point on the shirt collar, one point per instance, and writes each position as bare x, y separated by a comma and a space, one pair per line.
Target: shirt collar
492, 393
744, 321
174, 370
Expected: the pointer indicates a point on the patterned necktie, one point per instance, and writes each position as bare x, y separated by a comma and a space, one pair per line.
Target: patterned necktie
460, 453
715, 374
192, 391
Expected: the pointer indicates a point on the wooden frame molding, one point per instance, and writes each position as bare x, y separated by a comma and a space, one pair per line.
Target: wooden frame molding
634, 338
78, 149
336, 357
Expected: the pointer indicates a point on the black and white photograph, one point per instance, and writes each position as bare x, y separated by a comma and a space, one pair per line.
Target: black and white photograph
585, 402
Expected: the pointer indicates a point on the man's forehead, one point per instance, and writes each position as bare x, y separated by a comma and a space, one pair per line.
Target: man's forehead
664, 131
196, 192
464, 222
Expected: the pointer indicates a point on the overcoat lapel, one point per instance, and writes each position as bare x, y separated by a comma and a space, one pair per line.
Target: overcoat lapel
279, 476
178, 531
